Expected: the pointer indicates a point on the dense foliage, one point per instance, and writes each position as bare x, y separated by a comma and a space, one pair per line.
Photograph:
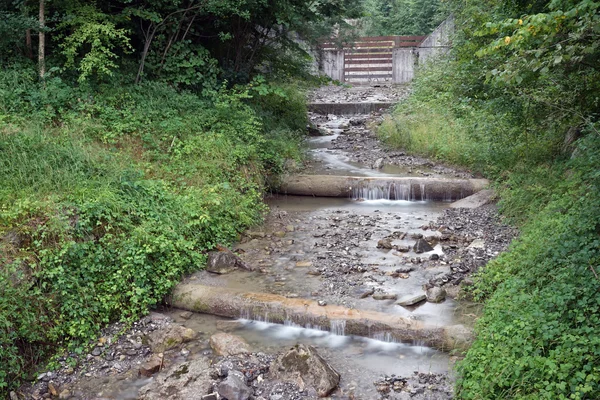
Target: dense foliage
402, 17
134, 137
518, 100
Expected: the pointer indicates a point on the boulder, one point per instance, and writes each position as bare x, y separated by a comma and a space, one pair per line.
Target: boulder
421, 246
378, 163
234, 387
303, 366
169, 337
223, 262
226, 344
436, 294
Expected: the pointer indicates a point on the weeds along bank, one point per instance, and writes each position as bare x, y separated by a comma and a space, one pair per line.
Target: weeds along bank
518, 102
110, 194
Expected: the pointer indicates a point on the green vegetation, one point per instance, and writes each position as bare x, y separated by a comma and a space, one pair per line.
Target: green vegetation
134, 137
402, 17
518, 101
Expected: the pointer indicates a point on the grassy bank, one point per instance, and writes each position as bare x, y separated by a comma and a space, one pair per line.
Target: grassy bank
538, 337
111, 193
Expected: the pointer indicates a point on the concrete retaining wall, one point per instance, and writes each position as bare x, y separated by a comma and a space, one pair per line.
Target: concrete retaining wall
438, 42
332, 64
403, 65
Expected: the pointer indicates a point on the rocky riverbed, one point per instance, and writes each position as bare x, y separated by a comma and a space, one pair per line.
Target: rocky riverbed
402, 258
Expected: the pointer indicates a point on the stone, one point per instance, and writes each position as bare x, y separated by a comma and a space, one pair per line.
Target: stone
385, 296
405, 269
65, 394
436, 294
169, 337
182, 381
234, 387
412, 300
212, 396
434, 257
303, 366
226, 344
97, 351
378, 163
363, 292
477, 244
403, 249
322, 303
302, 264
223, 262
385, 243
256, 235
152, 366
289, 228
13, 396
421, 246
186, 314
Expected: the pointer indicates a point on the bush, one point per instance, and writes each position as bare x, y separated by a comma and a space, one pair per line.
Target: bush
110, 195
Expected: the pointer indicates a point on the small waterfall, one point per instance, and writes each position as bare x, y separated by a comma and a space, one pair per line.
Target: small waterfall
385, 191
338, 327
385, 337
423, 193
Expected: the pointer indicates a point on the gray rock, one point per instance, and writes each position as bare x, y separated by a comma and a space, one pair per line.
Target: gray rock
212, 396
421, 246
226, 344
303, 366
234, 387
412, 300
385, 296
169, 337
378, 163
477, 244
385, 243
363, 292
185, 381
223, 262
436, 294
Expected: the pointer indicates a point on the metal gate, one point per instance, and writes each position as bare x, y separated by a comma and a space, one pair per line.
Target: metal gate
370, 59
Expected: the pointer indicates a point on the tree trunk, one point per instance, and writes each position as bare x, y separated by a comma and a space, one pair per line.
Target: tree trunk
42, 44
28, 44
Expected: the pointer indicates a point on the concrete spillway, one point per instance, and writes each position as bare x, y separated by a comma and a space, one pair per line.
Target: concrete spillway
375, 188
235, 303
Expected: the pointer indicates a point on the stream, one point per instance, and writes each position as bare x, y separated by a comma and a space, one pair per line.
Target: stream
357, 252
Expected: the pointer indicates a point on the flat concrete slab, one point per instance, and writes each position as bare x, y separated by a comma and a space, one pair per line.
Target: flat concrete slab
476, 200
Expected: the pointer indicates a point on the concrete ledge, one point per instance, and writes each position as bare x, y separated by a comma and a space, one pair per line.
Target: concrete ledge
347, 108
234, 303
476, 200
381, 187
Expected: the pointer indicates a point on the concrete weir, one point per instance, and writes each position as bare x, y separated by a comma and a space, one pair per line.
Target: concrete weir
342, 109
375, 188
235, 303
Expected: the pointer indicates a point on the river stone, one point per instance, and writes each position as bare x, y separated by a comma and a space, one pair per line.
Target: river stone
152, 366
410, 301
189, 380
421, 246
378, 163
226, 344
169, 337
385, 296
234, 387
303, 366
223, 262
302, 264
436, 294
385, 243
363, 292
477, 244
